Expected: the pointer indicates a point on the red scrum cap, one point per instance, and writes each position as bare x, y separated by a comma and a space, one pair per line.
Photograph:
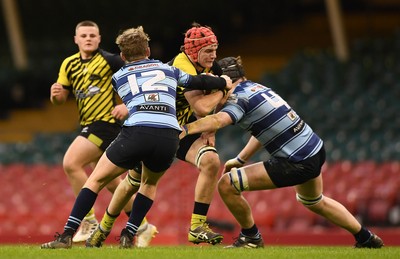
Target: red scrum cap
197, 38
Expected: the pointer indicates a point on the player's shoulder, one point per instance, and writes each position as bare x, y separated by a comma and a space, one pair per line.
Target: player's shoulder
72, 57
106, 53
109, 55
182, 62
70, 62
113, 59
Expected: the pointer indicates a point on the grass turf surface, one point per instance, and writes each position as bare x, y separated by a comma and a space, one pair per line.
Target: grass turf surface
201, 252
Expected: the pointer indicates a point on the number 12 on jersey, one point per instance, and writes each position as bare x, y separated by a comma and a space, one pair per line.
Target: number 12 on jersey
147, 81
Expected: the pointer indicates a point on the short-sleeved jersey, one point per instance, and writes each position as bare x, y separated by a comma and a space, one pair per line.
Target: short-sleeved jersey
183, 109
262, 112
90, 82
148, 89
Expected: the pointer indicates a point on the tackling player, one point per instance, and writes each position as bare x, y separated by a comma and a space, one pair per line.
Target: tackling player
297, 155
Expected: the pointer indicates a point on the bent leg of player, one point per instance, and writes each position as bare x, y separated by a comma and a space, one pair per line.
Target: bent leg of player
230, 187
123, 193
90, 224
80, 153
310, 195
207, 161
146, 231
141, 205
101, 176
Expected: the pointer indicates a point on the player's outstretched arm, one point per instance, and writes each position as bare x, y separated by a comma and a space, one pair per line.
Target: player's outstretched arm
206, 124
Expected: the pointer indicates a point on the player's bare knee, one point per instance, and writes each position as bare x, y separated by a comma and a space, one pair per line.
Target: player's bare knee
207, 158
238, 179
312, 203
210, 167
224, 184
69, 168
211, 159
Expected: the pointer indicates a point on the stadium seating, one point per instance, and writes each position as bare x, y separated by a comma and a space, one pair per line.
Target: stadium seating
351, 105
37, 200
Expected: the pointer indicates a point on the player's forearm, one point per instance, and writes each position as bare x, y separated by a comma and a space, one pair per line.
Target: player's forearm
207, 103
208, 123
252, 146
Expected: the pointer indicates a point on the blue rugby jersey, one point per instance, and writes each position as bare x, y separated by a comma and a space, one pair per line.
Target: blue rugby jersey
148, 89
262, 112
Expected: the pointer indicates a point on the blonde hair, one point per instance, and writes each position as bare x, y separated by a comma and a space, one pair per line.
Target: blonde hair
133, 43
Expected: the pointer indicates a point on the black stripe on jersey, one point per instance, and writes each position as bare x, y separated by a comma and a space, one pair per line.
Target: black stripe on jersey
95, 72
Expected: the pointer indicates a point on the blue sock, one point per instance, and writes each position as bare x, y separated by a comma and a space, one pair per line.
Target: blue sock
141, 205
83, 203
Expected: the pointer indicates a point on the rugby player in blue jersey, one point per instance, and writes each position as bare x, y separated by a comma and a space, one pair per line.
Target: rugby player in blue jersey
297, 155
197, 56
149, 135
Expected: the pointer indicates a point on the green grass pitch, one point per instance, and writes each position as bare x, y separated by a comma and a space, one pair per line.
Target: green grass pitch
200, 252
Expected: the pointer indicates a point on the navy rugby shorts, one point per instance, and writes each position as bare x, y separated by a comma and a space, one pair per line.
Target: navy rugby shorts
154, 147
287, 173
101, 133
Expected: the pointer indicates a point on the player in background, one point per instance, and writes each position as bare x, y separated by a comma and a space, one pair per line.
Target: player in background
297, 155
87, 75
149, 135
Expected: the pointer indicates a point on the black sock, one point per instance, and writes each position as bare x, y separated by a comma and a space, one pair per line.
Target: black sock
83, 203
363, 235
113, 216
201, 208
251, 232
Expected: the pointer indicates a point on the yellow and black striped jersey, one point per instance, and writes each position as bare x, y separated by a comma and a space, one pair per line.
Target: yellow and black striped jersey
183, 109
90, 82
